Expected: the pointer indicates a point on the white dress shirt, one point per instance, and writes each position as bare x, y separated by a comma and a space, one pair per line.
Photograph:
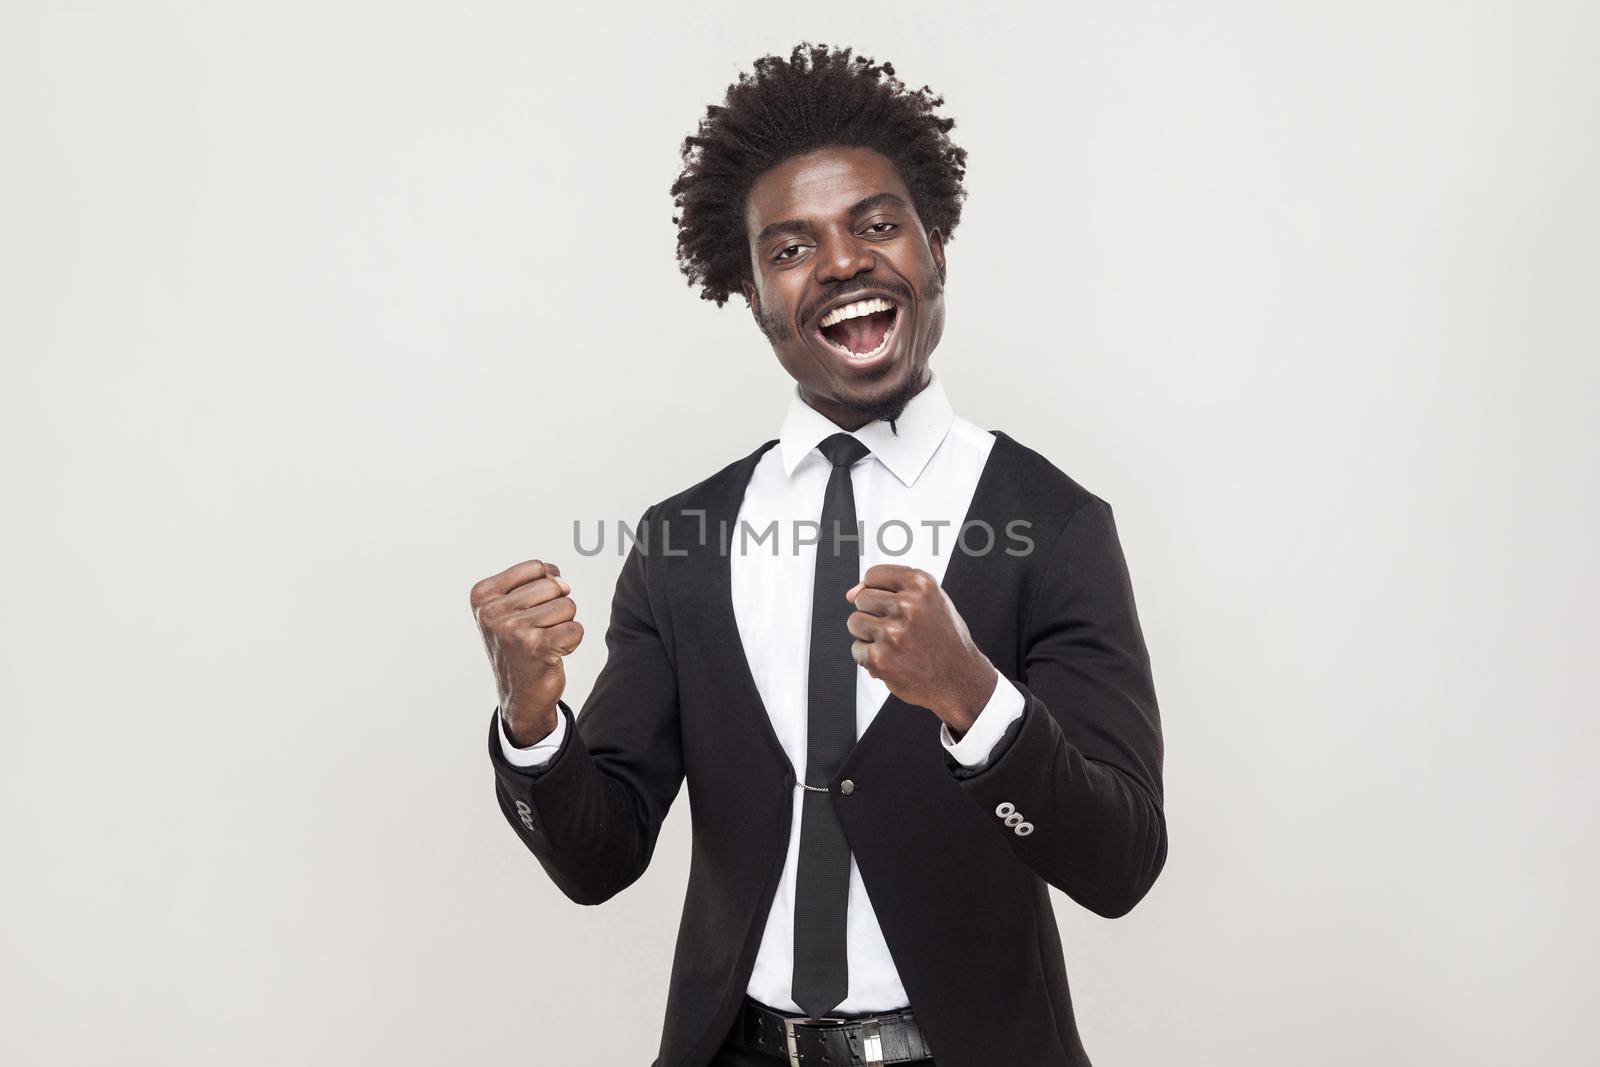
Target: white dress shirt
924, 477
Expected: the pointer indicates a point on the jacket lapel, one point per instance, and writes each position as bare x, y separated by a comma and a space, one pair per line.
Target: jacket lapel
709, 569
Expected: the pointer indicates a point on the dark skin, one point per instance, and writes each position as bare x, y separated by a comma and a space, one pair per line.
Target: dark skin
829, 227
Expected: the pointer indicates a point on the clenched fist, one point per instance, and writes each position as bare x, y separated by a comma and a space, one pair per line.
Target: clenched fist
528, 622
910, 636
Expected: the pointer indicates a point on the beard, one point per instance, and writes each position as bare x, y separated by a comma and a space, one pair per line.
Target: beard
775, 327
888, 408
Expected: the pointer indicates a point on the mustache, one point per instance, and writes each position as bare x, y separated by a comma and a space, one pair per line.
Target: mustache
893, 287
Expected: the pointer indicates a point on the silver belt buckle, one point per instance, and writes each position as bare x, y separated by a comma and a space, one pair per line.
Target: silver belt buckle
794, 1049
871, 1042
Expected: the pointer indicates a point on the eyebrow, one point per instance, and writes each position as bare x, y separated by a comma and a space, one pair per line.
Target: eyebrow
802, 226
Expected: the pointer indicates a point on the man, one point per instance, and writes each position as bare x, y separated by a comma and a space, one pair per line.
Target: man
896, 658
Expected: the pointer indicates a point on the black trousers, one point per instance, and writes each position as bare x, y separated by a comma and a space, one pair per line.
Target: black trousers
731, 1056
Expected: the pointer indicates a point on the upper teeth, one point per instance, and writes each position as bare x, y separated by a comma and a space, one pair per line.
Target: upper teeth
856, 310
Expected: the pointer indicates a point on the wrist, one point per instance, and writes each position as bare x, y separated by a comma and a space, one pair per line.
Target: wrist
970, 698
526, 728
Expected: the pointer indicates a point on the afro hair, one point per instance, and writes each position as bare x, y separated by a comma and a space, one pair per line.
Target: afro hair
817, 97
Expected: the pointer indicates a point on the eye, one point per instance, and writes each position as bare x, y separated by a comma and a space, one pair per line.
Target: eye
888, 226
783, 253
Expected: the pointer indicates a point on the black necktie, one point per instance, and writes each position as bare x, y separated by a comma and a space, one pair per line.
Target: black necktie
822, 882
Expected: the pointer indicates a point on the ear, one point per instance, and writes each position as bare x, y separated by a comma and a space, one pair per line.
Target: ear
936, 246
752, 298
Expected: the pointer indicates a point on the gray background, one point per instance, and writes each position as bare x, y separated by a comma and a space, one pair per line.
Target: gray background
314, 314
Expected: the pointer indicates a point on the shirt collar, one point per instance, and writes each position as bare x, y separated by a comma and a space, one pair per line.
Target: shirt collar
922, 425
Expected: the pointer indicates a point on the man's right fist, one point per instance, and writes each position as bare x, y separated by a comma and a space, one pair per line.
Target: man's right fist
527, 618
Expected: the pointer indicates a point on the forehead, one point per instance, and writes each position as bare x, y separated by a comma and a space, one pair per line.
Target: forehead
820, 185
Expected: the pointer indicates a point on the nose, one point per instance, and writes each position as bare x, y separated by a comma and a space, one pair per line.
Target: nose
842, 256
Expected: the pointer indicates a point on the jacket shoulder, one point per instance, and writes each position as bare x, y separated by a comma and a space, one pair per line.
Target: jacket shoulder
1036, 484
715, 491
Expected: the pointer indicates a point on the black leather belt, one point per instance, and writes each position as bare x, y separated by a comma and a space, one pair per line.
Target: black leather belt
857, 1041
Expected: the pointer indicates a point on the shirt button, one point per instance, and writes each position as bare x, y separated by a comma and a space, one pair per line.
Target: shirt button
847, 787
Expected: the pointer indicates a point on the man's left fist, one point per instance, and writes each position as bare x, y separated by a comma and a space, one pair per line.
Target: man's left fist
910, 636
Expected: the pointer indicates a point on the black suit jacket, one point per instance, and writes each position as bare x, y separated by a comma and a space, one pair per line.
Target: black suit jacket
962, 899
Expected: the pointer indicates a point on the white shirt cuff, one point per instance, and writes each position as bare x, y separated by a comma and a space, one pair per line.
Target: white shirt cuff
536, 754
1006, 705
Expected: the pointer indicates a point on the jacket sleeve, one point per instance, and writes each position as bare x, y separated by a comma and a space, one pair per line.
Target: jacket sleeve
592, 812
1075, 783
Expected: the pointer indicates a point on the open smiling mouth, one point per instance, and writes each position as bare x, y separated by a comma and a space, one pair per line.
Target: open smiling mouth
861, 331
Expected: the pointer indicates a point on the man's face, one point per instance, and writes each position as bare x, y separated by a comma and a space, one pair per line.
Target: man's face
832, 229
